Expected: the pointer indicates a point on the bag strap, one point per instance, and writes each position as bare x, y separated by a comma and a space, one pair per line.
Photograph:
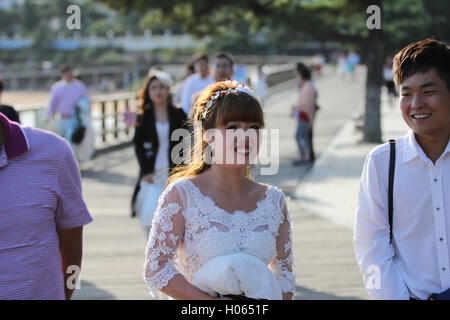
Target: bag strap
77, 114
391, 186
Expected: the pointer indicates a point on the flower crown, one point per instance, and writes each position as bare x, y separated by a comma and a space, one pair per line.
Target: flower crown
216, 94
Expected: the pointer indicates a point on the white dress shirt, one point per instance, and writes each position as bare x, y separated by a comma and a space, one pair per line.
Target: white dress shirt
194, 84
416, 264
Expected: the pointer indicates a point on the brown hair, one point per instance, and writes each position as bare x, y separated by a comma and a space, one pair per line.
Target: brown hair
144, 97
65, 67
2, 85
226, 56
229, 106
201, 56
420, 57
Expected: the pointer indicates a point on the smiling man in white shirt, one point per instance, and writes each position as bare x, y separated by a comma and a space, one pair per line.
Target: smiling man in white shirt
416, 263
196, 82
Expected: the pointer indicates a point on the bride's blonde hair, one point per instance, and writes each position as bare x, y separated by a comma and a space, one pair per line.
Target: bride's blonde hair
214, 110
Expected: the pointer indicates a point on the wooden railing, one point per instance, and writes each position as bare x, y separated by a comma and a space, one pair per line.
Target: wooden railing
107, 111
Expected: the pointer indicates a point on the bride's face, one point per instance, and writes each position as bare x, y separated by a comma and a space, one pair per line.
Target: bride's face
236, 144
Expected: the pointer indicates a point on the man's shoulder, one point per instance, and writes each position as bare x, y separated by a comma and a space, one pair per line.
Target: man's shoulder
45, 141
58, 84
191, 79
79, 83
383, 150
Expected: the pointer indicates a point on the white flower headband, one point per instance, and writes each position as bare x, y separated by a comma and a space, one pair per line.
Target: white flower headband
216, 94
162, 76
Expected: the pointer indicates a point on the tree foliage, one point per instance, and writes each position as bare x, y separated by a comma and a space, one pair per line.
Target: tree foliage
342, 21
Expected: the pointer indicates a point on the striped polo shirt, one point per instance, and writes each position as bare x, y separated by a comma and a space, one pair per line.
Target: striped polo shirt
40, 193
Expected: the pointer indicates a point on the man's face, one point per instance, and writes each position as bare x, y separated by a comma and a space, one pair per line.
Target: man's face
425, 104
201, 66
222, 69
67, 75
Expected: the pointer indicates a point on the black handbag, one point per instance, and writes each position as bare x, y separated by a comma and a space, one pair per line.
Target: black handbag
78, 134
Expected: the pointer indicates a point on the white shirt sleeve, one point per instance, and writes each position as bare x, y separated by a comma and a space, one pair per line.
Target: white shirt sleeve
374, 253
186, 96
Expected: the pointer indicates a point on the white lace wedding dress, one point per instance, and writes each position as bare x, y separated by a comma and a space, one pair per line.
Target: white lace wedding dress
189, 229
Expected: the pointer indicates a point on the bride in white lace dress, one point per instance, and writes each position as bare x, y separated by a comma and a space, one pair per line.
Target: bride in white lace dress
216, 209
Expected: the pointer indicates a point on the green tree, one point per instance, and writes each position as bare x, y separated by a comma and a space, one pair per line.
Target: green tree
325, 20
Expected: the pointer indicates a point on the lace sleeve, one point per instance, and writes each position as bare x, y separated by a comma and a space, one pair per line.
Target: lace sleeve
164, 239
283, 265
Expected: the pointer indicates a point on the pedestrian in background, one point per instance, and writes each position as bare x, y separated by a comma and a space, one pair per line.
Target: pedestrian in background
222, 70
407, 256
189, 70
240, 72
64, 97
305, 110
259, 83
42, 214
223, 66
158, 118
196, 82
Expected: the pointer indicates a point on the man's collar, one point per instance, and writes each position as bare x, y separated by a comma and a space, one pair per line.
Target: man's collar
414, 150
16, 142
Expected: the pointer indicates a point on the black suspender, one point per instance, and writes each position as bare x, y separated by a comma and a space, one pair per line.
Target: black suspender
391, 186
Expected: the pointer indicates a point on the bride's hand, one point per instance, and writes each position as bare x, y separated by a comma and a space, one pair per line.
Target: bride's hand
148, 178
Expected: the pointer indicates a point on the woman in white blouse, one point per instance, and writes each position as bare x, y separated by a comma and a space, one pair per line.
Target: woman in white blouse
213, 208
157, 119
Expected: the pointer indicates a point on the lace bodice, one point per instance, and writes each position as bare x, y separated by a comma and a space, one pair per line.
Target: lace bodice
189, 229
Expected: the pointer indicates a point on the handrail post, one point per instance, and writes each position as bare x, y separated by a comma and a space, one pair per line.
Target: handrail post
116, 120
127, 108
103, 118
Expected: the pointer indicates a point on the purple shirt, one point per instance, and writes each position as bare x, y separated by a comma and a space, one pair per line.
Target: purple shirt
64, 97
40, 193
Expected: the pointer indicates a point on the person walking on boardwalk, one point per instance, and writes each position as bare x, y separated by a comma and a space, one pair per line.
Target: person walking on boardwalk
212, 208
42, 214
305, 110
223, 66
196, 82
222, 70
258, 81
402, 238
64, 97
189, 71
157, 120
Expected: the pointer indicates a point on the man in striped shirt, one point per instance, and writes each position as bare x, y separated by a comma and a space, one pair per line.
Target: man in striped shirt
42, 214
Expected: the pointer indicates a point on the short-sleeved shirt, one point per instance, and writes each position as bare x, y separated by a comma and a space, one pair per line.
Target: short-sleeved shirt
64, 97
40, 193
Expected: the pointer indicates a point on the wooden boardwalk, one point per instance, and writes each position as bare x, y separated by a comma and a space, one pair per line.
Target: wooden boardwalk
114, 244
